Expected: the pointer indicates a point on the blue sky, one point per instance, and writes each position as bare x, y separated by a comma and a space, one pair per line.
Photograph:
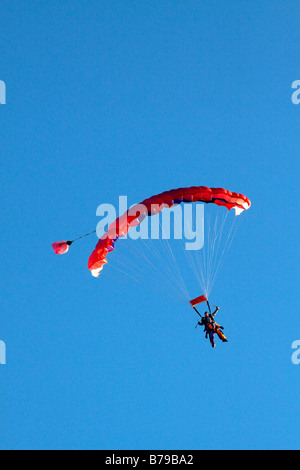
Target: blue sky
109, 98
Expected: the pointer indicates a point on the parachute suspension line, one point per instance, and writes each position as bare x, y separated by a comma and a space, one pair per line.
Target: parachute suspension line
208, 244
217, 232
203, 255
126, 273
164, 277
221, 257
175, 264
141, 281
172, 277
179, 291
200, 263
169, 274
212, 244
227, 247
150, 245
214, 254
193, 263
144, 272
203, 261
209, 248
129, 266
211, 257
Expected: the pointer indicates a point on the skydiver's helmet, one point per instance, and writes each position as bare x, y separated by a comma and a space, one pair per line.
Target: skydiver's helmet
206, 314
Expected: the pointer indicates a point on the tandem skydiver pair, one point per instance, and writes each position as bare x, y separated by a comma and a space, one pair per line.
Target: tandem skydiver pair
211, 328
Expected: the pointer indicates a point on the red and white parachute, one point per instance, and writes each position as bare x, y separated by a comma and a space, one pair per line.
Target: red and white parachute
220, 198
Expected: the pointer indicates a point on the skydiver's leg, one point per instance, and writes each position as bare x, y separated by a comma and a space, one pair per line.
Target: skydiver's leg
221, 335
212, 338
211, 332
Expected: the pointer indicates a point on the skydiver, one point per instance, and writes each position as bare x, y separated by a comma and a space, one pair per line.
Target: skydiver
211, 327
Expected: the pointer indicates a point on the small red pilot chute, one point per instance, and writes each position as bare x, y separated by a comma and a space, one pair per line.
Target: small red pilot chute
60, 248
198, 300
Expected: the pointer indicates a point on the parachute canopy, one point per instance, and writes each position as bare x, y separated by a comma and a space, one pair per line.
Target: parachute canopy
154, 205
